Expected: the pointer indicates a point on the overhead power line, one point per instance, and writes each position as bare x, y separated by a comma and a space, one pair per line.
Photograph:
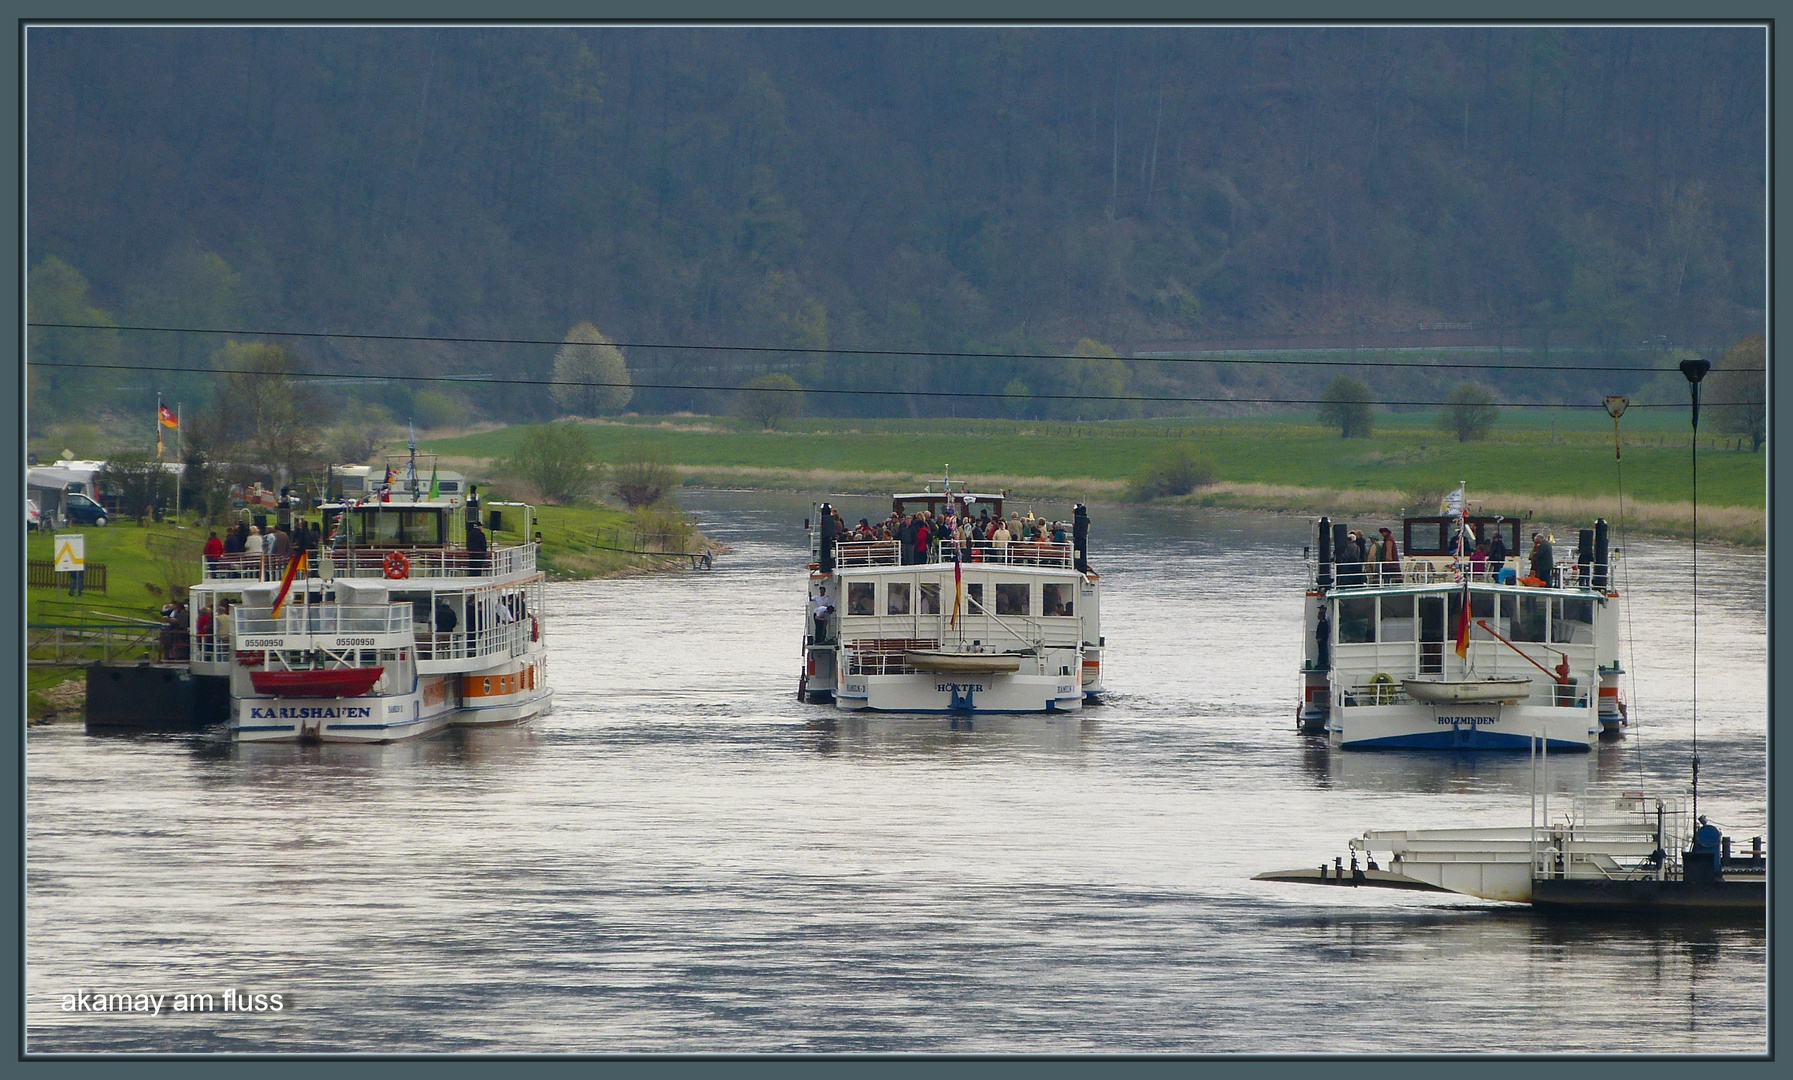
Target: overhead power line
1171, 398
869, 353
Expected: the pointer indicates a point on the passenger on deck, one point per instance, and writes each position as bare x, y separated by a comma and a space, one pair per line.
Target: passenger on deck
1350, 560
999, 541
1389, 554
1478, 563
823, 608
1497, 548
446, 620
478, 560
923, 537
1543, 559
214, 547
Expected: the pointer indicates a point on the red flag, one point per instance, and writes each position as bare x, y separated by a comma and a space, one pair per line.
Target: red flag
168, 417
294, 568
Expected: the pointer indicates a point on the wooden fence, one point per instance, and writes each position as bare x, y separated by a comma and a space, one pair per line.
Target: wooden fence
41, 574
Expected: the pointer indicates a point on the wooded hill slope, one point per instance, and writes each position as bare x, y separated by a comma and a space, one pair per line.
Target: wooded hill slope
990, 190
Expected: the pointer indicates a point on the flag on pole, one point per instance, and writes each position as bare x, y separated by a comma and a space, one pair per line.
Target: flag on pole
435, 487
388, 481
958, 583
1463, 624
170, 419
294, 568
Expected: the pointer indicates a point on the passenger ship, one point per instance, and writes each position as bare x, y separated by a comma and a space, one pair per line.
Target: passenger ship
1383, 670
397, 631
983, 627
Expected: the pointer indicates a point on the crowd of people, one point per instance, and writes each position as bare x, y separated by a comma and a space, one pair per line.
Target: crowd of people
1362, 560
925, 534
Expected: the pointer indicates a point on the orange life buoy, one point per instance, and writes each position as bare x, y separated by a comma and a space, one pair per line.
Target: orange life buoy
397, 565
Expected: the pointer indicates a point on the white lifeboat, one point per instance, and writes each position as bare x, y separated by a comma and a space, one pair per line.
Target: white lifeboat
1468, 691
962, 663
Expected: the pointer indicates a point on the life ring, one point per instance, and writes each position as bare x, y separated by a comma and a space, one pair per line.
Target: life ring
1384, 685
396, 565
535, 629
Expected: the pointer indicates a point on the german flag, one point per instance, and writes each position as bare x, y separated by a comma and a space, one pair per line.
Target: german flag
293, 569
169, 418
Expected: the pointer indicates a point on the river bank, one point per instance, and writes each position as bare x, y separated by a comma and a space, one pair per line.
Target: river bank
1560, 470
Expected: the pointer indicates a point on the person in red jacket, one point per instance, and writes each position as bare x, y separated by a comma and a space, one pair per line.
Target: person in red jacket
214, 548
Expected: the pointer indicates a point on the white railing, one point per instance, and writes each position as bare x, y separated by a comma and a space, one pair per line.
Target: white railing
499, 640
377, 563
1424, 570
296, 618
868, 553
1011, 553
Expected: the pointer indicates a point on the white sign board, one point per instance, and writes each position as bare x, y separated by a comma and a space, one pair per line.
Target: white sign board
71, 553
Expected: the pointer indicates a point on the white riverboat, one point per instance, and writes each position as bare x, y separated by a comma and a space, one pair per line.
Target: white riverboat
1381, 666
964, 627
392, 628
1612, 851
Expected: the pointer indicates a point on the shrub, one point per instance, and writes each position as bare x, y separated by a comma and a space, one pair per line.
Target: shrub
1177, 470
557, 461
643, 482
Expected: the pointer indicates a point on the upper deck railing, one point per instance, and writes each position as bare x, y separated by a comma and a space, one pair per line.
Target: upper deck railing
323, 619
1439, 570
857, 553
378, 563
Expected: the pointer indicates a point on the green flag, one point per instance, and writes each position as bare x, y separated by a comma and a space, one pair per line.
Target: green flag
435, 489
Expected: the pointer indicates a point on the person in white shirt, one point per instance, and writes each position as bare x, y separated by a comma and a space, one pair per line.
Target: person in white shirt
824, 607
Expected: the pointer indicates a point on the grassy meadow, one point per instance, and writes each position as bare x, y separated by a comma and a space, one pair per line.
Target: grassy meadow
1555, 463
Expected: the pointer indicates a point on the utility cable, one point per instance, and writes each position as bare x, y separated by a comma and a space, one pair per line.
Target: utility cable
810, 351
995, 396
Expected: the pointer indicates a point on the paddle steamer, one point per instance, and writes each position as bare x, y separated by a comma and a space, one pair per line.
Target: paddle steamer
394, 627
1393, 660
966, 627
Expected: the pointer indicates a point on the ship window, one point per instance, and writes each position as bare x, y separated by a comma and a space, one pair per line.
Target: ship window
896, 598
1357, 620
1572, 621
1397, 618
1011, 598
1481, 605
927, 598
859, 598
974, 598
1525, 616
1056, 599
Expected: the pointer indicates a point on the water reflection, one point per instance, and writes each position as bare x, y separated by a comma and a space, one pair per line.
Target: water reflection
682, 857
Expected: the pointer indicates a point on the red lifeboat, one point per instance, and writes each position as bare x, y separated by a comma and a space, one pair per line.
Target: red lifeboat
338, 682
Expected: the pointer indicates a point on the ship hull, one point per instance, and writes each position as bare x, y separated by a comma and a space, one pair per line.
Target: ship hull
1484, 726
960, 694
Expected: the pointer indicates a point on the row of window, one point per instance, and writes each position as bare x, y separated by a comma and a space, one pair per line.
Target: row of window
926, 598
1367, 619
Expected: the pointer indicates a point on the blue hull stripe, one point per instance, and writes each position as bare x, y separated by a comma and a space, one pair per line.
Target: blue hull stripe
1451, 740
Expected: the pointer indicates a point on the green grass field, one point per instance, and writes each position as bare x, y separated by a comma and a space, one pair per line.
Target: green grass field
1564, 453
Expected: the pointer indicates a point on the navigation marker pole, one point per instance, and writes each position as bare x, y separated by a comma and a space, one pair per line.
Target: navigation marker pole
1695, 370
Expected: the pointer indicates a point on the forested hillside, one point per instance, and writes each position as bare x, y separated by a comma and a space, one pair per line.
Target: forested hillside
1001, 190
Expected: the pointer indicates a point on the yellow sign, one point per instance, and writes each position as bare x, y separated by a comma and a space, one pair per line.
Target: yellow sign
71, 553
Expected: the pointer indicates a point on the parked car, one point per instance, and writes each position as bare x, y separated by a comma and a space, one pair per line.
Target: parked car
33, 519
78, 509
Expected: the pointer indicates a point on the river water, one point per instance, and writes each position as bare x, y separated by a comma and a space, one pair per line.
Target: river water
684, 858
